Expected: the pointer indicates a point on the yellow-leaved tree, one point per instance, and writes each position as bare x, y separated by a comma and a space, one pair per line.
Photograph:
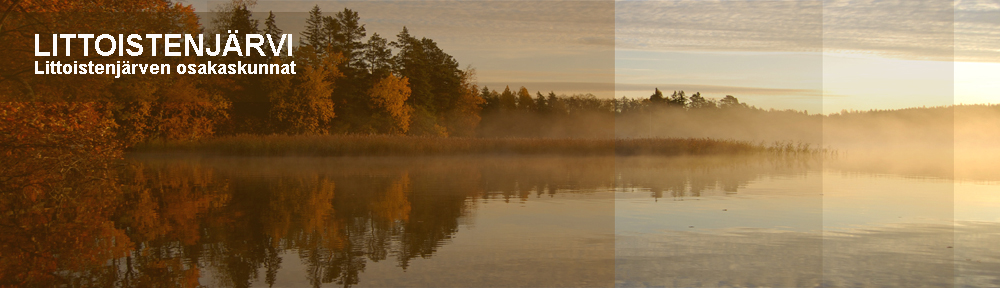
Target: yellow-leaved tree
388, 98
305, 107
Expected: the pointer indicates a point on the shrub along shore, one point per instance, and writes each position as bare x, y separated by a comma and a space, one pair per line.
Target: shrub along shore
383, 145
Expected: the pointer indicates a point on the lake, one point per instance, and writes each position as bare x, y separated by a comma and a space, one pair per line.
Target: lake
542, 222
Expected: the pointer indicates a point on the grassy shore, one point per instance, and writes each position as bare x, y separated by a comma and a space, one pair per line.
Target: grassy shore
364, 145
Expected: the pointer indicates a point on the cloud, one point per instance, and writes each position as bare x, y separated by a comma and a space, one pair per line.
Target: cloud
912, 29
719, 25
515, 25
977, 31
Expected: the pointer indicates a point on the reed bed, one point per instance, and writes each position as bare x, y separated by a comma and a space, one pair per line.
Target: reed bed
383, 145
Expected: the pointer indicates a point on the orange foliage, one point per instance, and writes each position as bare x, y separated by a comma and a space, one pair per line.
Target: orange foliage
26, 18
38, 139
189, 120
394, 205
306, 107
173, 107
388, 96
55, 191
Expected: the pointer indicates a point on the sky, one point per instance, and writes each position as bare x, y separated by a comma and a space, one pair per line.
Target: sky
820, 56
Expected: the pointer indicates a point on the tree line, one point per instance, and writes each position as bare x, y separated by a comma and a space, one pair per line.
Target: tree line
518, 113
351, 82
522, 101
347, 80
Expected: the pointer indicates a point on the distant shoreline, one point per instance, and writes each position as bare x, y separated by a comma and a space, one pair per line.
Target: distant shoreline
384, 145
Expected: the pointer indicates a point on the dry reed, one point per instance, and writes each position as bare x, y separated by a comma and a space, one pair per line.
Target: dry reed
384, 145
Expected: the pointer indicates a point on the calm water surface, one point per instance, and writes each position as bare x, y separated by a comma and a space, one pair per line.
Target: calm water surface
548, 221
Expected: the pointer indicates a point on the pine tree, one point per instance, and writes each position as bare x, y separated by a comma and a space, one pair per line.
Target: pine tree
657, 97
507, 100
349, 38
271, 28
678, 99
540, 104
313, 34
378, 56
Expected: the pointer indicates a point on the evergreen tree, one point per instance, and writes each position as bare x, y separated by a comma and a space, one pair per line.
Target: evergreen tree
378, 56
271, 28
507, 100
249, 110
330, 33
540, 103
444, 76
731, 102
698, 102
349, 38
678, 99
313, 34
657, 97
410, 62
556, 105
491, 100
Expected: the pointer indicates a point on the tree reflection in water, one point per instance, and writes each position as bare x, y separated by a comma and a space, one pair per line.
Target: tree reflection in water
193, 221
682, 177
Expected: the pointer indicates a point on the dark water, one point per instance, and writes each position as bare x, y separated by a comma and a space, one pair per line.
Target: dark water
529, 221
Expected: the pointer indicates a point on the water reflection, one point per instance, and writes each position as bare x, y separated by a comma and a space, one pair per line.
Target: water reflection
231, 222
822, 222
185, 221
338, 215
684, 177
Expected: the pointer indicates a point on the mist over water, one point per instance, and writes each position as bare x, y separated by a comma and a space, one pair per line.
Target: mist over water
944, 142
545, 221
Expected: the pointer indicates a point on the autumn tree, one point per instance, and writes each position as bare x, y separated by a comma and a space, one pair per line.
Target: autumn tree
21, 20
524, 101
186, 111
306, 107
394, 204
388, 96
139, 104
56, 191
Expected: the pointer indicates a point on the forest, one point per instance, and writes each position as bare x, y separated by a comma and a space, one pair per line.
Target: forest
348, 82
71, 204
355, 84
